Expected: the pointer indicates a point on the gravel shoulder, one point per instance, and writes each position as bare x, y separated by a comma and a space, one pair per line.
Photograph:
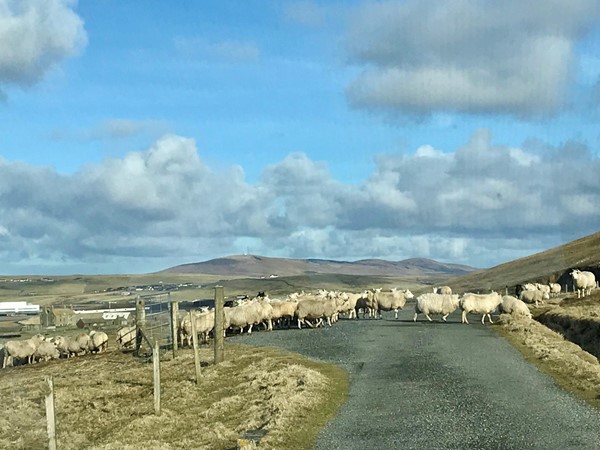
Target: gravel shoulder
438, 385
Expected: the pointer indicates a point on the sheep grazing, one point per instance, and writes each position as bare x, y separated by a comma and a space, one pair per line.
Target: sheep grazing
584, 282
46, 351
483, 304
514, 306
126, 337
534, 296
431, 303
98, 341
73, 345
555, 289
446, 290
23, 349
392, 300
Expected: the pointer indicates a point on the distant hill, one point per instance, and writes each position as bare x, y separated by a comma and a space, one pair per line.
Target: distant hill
550, 265
262, 266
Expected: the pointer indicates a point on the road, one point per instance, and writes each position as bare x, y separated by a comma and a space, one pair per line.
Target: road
438, 386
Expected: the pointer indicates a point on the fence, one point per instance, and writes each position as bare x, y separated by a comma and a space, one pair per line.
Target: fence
156, 322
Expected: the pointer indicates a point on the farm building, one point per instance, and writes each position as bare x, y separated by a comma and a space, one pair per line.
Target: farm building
57, 317
31, 323
100, 318
12, 308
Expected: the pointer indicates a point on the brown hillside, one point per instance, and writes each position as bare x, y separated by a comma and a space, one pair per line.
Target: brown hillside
262, 266
551, 265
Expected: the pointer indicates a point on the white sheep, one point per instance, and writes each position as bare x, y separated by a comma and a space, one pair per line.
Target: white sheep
126, 337
392, 300
317, 310
23, 349
446, 290
73, 345
514, 306
430, 303
46, 351
204, 323
583, 282
483, 304
555, 288
534, 296
98, 341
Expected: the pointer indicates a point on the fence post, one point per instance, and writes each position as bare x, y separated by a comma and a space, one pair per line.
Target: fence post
195, 345
50, 417
174, 326
219, 324
156, 370
140, 322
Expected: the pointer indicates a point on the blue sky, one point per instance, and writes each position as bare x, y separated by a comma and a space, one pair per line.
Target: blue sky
136, 137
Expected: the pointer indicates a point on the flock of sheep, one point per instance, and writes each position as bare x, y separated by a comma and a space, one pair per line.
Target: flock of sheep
310, 310
42, 348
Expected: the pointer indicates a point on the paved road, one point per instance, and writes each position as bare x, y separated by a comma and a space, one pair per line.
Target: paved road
438, 386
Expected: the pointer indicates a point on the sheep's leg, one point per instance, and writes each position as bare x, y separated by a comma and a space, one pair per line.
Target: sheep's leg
464, 317
428, 318
483, 319
444, 317
396, 313
490, 317
415, 317
300, 321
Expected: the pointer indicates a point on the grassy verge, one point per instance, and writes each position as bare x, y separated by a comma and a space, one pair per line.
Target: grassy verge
106, 401
574, 369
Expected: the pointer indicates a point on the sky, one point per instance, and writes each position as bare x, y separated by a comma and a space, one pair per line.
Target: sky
135, 136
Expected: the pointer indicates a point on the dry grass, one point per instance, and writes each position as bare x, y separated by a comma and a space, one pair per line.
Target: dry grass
106, 401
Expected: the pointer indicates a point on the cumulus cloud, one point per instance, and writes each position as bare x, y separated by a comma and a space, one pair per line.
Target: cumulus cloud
470, 56
479, 204
36, 36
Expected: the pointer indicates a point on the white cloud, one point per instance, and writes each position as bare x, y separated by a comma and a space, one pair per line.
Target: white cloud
35, 36
480, 204
424, 56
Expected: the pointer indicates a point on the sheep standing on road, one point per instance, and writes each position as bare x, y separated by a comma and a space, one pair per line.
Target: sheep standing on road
483, 304
392, 300
431, 303
584, 282
514, 306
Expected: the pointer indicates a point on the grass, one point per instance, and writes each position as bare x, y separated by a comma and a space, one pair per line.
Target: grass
106, 401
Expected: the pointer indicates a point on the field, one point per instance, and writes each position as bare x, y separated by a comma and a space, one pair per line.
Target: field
106, 401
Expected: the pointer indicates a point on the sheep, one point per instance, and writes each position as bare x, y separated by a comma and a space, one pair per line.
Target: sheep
248, 314
98, 341
446, 290
283, 311
317, 309
555, 289
543, 288
583, 281
514, 306
46, 351
204, 323
430, 303
392, 300
21, 349
483, 304
126, 337
534, 296
73, 345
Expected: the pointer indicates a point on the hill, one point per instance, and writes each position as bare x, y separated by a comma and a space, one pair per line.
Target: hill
550, 265
262, 266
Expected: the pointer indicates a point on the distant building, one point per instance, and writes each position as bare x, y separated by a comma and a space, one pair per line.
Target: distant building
12, 308
57, 317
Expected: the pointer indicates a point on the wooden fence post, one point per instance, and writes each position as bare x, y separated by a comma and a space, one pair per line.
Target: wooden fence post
219, 325
174, 326
140, 322
156, 371
195, 345
50, 417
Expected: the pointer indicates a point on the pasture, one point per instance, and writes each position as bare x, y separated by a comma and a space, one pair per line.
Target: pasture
105, 401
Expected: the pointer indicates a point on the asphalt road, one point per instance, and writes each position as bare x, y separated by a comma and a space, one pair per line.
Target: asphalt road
438, 386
